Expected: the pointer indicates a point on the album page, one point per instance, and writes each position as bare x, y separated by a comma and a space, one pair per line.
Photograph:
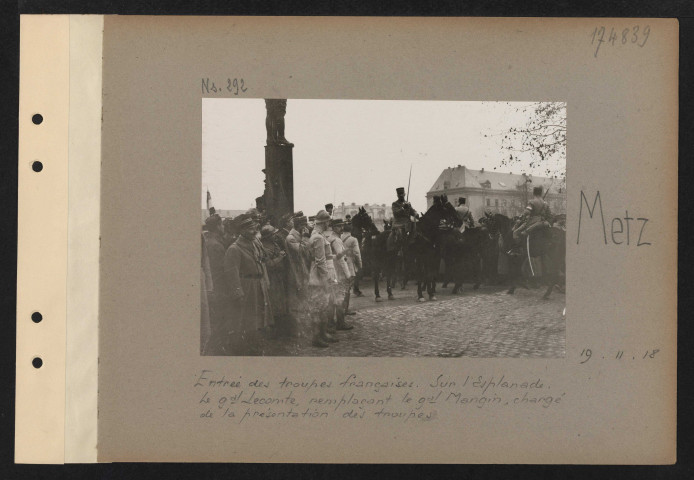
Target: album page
371, 240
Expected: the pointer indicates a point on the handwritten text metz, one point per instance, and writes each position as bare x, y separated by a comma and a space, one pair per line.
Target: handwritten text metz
623, 230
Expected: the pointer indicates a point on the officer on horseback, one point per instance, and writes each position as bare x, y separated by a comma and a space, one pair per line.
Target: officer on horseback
402, 214
464, 214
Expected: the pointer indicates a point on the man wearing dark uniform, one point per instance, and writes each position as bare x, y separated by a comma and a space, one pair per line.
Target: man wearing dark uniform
276, 264
247, 280
220, 301
402, 212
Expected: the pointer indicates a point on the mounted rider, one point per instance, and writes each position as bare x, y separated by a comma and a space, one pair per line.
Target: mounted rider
464, 214
535, 223
403, 215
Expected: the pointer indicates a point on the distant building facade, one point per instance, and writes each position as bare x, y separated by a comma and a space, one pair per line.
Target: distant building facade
378, 212
495, 192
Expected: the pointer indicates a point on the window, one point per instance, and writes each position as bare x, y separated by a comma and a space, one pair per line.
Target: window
496, 202
489, 202
446, 185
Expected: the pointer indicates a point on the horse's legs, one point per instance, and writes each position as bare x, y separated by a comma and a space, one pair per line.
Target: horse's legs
377, 293
513, 272
390, 282
476, 272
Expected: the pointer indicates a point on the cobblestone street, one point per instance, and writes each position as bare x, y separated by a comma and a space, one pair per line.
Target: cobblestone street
479, 323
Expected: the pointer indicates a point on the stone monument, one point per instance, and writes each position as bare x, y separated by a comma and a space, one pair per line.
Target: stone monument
279, 169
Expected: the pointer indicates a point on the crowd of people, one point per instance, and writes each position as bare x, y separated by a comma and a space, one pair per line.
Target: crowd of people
260, 282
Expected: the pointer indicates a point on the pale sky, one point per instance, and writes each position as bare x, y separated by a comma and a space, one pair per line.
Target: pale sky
349, 150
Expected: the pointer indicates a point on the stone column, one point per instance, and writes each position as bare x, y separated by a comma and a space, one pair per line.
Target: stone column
279, 176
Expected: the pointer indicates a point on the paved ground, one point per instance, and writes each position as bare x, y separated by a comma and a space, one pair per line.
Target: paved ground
479, 323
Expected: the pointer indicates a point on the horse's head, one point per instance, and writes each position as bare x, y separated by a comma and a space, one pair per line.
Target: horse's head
361, 221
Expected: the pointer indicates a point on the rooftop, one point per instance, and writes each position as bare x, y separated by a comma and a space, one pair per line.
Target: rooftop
463, 177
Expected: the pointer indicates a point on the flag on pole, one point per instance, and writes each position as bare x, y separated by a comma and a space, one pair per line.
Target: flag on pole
210, 208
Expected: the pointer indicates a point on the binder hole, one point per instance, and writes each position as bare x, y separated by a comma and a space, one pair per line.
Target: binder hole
36, 317
37, 119
37, 362
37, 166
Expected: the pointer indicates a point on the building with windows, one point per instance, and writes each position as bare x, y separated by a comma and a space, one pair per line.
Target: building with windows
496, 192
378, 212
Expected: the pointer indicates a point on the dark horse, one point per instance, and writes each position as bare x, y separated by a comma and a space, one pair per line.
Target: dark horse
425, 246
462, 255
377, 261
548, 244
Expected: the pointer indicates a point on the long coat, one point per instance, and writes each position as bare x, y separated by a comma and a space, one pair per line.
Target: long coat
205, 287
297, 251
276, 264
248, 286
352, 253
339, 260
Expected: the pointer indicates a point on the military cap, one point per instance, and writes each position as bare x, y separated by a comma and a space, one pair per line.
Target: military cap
322, 217
267, 231
461, 200
300, 221
336, 222
400, 190
285, 218
213, 219
328, 206
245, 221
298, 214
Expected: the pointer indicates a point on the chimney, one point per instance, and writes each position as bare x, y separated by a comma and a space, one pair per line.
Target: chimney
482, 171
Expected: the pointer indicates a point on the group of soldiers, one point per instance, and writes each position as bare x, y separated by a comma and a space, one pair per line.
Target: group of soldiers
262, 281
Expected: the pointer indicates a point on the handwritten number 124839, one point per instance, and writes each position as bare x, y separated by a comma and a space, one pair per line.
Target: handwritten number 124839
636, 35
233, 85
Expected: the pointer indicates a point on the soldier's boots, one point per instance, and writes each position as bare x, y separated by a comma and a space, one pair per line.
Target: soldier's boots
325, 334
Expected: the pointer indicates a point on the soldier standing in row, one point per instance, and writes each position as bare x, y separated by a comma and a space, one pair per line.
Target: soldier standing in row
276, 265
297, 274
319, 281
353, 257
344, 278
219, 302
248, 283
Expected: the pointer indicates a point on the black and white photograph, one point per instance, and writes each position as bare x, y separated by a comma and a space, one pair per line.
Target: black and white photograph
383, 228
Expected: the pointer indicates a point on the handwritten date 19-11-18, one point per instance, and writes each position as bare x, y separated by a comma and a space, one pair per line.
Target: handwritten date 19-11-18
636, 35
234, 86
587, 354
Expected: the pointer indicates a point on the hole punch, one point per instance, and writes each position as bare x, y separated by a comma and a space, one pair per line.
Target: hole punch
37, 166
37, 362
36, 317
37, 118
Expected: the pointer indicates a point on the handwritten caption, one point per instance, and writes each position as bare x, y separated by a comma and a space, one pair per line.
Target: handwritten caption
636, 35
587, 354
235, 86
353, 398
635, 233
